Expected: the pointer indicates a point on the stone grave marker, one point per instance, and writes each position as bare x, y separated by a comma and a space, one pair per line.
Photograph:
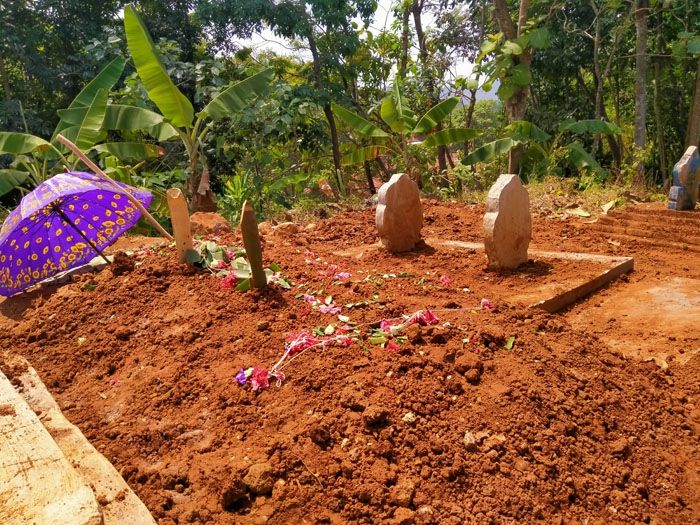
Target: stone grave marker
686, 181
399, 216
507, 224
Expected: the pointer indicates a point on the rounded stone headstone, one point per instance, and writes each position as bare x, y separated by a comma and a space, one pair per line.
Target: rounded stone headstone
507, 224
399, 213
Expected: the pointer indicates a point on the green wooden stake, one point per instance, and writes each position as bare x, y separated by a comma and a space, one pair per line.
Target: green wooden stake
251, 243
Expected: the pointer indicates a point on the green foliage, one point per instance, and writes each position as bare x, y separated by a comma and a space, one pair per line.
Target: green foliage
404, 140
21, 143
231, 264
176, 108
161, 89
545, 154
239, 96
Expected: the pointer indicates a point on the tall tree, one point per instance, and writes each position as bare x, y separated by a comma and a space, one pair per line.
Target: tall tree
693, 134
326, 27
641, 22
516, 103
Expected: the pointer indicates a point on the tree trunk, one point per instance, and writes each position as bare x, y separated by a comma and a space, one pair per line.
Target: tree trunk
692, 137
328, 112
468, 118
335, 146
516, 105
404, 42
658, 116
370, 180
417, 9
5, 80
641, 15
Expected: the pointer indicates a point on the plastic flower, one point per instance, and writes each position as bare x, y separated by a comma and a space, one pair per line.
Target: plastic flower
241, 377
390, 327
299, 341
423, 317
487, 304
259, 378
329, 309
344, 340
229, 281
445, 280
393, 346
230, 255
341, 276
221, 265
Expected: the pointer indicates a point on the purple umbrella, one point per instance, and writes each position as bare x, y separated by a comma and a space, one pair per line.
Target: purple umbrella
65, 222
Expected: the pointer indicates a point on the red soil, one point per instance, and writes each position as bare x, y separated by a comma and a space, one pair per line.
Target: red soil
452, 428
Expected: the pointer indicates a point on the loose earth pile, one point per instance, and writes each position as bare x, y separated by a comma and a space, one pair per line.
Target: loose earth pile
507, 415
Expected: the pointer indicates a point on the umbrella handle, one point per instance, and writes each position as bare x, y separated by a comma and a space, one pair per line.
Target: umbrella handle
94, 167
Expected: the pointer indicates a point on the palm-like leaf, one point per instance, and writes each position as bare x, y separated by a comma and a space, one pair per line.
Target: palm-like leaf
363, 154
396, 113
589, 126
490, 151
10, 179
105, 79
130, 150
239, 96
161, 89
436, 114
358, 124
123, 117
88, 131
20, 143
450, 136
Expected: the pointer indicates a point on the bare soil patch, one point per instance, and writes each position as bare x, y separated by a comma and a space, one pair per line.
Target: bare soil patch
453, 427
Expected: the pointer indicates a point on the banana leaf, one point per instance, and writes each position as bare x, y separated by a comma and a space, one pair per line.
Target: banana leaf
450, 136
105, 79
161, 89
363, 154
86, 133
589, 126
131, 150
239, 96
11, 179
490, 151
436, 114
358, 124
15, 144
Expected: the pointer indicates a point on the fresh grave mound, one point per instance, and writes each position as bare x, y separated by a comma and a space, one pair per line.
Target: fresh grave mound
501, 415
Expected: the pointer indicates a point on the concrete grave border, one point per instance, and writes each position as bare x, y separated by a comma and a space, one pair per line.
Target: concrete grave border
617, 266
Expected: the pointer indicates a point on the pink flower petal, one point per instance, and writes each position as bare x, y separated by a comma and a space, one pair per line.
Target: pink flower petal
487, 304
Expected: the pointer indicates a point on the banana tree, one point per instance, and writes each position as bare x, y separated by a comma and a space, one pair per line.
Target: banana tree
178, 112
36, 159
545, 154
406, 131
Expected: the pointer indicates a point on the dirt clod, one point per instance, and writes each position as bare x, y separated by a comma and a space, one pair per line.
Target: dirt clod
259, 479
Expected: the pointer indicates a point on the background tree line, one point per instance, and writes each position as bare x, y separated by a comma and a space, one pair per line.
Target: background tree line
598, 90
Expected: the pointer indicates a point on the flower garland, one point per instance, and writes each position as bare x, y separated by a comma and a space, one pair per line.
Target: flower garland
303, 340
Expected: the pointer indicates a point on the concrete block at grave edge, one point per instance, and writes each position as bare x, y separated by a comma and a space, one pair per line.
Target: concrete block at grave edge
686, 181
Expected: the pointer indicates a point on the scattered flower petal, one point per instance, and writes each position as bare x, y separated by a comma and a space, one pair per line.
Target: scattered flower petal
329, 309
445, 280
487, 304
393, 346
341, 276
